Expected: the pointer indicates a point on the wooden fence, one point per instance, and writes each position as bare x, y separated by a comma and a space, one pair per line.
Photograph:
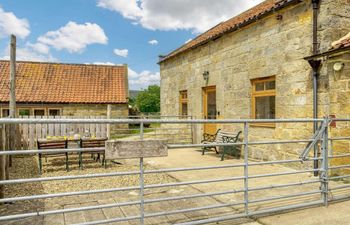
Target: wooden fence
27, 134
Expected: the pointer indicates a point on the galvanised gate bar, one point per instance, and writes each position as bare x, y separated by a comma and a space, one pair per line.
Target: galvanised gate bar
325, 187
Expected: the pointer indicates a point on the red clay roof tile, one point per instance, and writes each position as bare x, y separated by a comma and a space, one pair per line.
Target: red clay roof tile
38, 82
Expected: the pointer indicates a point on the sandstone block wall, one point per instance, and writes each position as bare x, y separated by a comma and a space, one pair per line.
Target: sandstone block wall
339, 106
266, 48
83, 110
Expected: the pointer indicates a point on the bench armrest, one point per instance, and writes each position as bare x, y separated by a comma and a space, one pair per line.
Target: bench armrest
231, 138
209, 137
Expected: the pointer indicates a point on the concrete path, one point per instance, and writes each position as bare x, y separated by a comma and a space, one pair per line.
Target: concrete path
335, 214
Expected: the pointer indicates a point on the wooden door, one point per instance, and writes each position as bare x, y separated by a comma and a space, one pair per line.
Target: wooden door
209, 108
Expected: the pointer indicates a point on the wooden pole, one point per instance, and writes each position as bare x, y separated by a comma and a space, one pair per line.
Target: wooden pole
2, 160
13, 77
7, 141
12, 95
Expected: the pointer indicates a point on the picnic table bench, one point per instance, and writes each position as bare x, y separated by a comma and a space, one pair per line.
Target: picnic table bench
45, 144
221, 137
93, 143
52, 144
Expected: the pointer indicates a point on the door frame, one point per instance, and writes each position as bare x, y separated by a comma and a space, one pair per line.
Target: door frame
205, 91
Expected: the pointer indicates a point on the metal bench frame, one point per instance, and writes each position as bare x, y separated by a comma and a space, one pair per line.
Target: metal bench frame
228, 138
218, 138
210, 138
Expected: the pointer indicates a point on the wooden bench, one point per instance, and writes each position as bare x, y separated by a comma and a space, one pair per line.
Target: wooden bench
92, 143
218, 138
51, 144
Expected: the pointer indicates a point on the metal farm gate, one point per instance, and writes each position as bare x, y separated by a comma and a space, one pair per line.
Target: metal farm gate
239, 182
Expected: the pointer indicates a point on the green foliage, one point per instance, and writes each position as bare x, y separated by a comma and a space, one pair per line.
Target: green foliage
148, 101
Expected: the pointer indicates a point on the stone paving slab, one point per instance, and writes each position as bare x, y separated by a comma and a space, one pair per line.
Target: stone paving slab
335, 214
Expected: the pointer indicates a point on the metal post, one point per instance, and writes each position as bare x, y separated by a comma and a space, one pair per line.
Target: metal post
142, 201
109, 112
324, 173
246, 198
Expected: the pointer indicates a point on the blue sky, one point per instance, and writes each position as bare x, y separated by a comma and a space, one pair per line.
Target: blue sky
134, 32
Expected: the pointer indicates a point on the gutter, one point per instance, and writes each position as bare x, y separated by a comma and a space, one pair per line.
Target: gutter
332, 52
315, 65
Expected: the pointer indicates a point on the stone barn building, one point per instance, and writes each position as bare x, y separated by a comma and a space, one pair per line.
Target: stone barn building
253, 66
57, 89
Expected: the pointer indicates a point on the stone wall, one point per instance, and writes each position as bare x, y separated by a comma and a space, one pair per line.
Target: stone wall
117, 111
269, 47
339, 96
81, 110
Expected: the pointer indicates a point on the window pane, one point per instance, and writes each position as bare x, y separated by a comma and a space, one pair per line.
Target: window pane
24, 112
259, 86
39, 112
271, 85
184, 109
211, 107
5, 113
184, 95
54, 112
265, 107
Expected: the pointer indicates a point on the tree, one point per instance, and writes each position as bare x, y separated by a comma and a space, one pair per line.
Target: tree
148, 101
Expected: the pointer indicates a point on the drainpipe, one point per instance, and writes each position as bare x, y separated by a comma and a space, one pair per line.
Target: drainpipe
315, 64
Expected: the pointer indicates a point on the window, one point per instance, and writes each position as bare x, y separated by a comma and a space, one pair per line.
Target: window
263, 99
24, 112
54, 112
5, 113
39, 112
183, 104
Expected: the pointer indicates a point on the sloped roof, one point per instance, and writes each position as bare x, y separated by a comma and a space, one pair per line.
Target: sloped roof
342, 42
337, 47
232, 24
38, 82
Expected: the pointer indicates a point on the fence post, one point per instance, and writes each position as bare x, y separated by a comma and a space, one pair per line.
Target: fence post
246, 197
2, 161
142, 211
324, 172
109, 112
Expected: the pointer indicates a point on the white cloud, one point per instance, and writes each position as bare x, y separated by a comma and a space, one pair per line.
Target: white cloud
141, 80
10, 24
28, 54
121, 52
39, 47
74, 37
102, 63
128, 8
153, 42
196, 15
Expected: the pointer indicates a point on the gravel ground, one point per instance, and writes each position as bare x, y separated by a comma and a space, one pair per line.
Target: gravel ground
27, 167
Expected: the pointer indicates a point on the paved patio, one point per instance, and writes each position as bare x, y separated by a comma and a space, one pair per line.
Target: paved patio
180, 158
